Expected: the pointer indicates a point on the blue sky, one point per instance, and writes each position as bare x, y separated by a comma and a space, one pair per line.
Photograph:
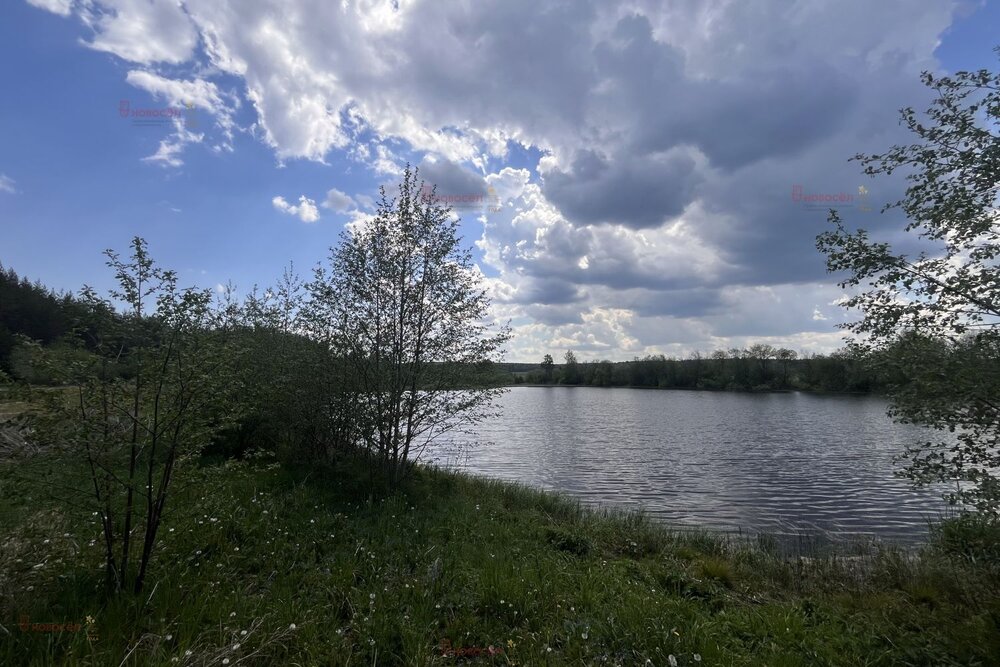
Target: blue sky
641, 213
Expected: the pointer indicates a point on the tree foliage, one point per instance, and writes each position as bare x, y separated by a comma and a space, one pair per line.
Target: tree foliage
932, 316
409, 317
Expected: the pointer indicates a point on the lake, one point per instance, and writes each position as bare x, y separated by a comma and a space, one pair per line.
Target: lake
786, 464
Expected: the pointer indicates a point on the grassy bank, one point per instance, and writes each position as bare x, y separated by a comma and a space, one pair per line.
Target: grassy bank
260, 564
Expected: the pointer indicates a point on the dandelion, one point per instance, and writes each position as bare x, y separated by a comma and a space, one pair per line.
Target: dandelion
169, 637
291, 627
548, 649
697, 657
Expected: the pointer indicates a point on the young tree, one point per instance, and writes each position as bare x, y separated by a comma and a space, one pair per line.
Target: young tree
134, 429
932, 319
409, 316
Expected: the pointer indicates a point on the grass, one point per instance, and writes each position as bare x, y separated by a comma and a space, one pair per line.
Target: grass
262, 564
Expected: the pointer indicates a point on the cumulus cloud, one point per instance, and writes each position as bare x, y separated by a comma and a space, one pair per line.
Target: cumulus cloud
644, 152
305, 211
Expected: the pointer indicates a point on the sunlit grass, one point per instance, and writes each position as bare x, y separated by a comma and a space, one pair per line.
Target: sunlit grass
263, 565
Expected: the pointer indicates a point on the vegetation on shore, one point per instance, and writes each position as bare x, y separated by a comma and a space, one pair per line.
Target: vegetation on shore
261, 563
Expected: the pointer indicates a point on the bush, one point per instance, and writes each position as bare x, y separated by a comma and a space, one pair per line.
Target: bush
973, 537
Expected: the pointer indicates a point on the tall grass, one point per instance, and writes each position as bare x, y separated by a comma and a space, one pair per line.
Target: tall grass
263, 564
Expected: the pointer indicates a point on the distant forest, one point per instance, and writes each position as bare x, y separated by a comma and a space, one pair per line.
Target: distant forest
31, 313
756, 368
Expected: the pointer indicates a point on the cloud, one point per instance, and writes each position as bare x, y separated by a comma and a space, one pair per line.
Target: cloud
337, 201
7, 184
61, 7
644, 152
306, 210
141, 31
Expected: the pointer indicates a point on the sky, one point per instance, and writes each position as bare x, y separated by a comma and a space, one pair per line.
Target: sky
634, 177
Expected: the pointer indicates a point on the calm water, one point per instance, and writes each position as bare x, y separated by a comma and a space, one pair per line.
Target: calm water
776, 463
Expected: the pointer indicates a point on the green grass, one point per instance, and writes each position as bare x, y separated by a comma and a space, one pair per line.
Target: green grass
302, 567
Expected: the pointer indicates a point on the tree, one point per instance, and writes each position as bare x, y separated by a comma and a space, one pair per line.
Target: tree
931, 319
408, 314
571, 371
132, 433
786, 357
547, 366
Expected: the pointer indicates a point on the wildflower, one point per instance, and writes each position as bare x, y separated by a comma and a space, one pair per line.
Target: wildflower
697, 657
584, 635
169, 637
236, 647
671, 660
548, 649
187, 654
291, 627
225, 661
90, 620
232, 614
243, 633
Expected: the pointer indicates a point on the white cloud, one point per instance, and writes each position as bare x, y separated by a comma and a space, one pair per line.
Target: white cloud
61, 7
306, 210
141, 31
7, 184
337, 201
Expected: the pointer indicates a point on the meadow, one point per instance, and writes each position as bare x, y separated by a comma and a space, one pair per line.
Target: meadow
264, 562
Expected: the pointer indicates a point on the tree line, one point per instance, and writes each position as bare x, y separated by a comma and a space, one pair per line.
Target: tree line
756, 368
